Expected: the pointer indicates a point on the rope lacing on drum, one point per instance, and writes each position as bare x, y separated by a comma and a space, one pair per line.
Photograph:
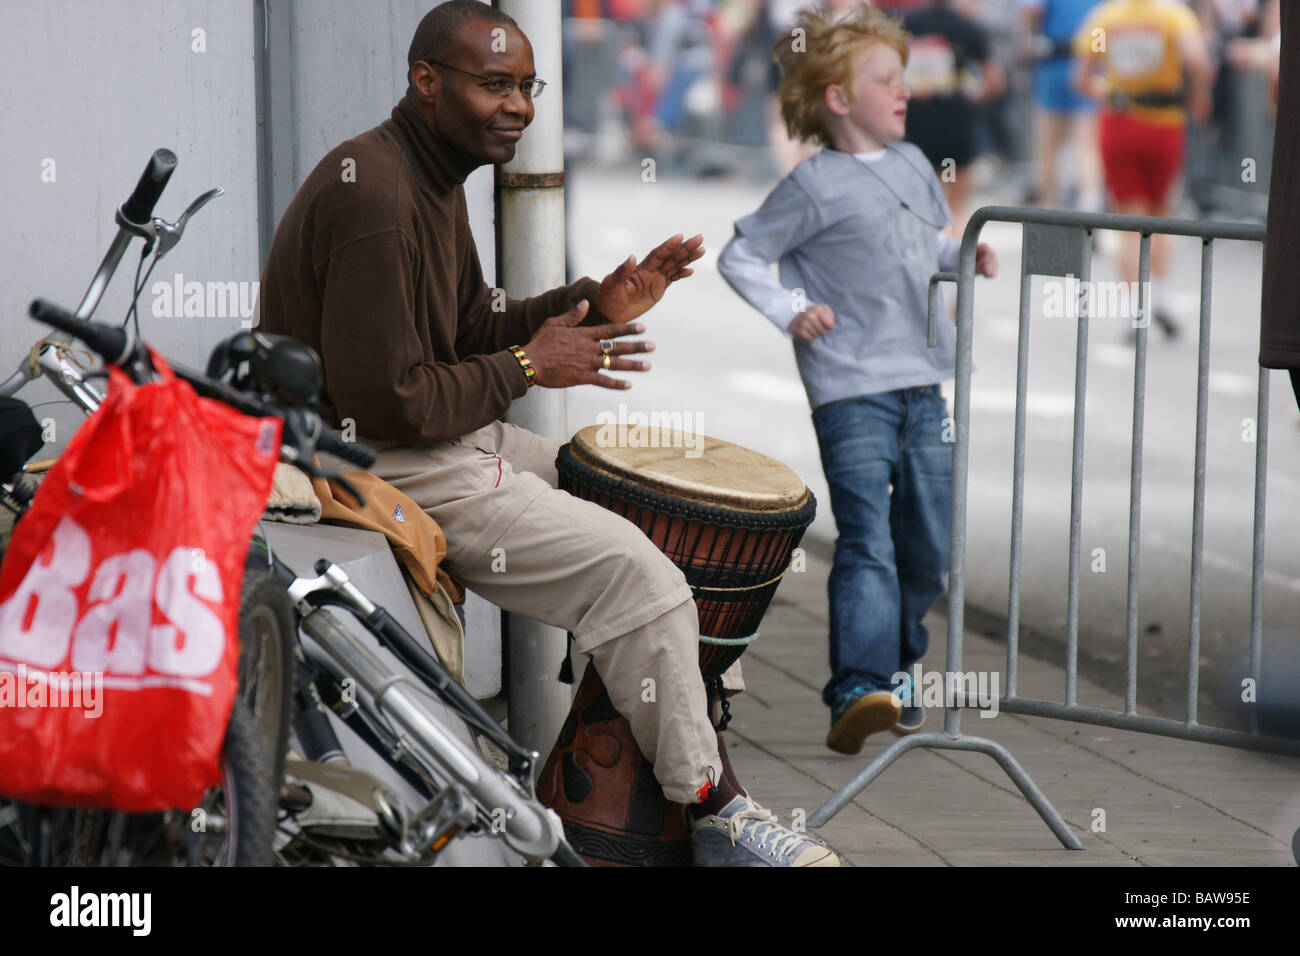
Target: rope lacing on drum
765, 827
62, 350
770, 583
714, 689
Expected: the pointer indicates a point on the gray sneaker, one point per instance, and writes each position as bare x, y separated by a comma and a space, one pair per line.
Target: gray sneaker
745, 834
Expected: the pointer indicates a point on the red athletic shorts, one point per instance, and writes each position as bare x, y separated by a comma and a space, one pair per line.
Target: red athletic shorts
1141, 159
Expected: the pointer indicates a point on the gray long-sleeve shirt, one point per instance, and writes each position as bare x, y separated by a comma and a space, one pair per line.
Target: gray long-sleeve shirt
861, 236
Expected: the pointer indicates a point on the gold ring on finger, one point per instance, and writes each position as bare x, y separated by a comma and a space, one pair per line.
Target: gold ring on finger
606, 346
608, 362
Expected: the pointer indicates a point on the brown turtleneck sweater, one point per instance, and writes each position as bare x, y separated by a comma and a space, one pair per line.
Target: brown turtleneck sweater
381, 276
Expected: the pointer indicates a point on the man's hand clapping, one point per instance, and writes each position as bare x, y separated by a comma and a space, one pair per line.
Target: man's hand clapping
632, 289
565, 355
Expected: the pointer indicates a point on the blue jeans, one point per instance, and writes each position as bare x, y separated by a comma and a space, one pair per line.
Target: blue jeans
891, 557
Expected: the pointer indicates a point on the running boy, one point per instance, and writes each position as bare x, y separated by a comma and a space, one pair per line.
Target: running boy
857, 232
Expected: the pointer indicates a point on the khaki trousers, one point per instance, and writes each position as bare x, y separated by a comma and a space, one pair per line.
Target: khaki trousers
533, 550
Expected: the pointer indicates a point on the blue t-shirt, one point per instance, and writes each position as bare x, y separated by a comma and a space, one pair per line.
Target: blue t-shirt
1062, 18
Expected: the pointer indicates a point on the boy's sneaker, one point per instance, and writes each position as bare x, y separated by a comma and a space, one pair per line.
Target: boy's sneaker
1166, 323
864, 715
745, 834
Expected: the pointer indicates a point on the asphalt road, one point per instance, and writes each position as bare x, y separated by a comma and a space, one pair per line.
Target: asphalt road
730, 374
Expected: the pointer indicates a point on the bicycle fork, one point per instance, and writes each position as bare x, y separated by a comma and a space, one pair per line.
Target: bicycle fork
473, 789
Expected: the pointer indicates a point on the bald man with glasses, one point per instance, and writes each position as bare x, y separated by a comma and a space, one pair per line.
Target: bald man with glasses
379, 273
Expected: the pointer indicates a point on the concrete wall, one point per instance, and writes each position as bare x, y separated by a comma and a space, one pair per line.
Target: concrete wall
346, 72
91, 90
92, 87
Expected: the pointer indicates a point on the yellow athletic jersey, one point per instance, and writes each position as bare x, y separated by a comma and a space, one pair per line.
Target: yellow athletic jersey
1139, 42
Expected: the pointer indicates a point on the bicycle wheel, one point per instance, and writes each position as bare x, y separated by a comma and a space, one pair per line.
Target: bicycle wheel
267, 636
232, 826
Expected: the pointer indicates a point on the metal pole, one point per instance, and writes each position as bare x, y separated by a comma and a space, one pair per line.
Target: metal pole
1018, 485
530, 221
961, 458
1135, 476
1198, 487
1076, 476
273, 25
1257, 548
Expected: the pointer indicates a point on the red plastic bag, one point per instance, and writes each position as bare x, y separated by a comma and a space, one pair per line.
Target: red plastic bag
119, 598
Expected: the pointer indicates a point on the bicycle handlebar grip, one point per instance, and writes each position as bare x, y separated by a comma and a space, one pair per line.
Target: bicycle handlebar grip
110, 343
359, 455
139, 208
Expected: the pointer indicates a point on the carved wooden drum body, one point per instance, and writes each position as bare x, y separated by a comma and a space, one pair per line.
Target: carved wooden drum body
730, 519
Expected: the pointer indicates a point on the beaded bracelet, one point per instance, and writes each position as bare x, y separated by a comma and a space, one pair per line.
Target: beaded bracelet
530, 373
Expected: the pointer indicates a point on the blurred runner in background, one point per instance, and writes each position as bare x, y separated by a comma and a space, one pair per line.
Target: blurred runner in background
681, 51
1263, 52
1065, 121
949, 71
1236, 127
1002, 130
1146, 61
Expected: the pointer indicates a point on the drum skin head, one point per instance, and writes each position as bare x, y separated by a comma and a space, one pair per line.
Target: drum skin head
691, 467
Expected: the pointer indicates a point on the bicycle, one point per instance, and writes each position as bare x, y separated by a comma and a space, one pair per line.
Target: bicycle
237, 818
461, 790
394, 710
390, 711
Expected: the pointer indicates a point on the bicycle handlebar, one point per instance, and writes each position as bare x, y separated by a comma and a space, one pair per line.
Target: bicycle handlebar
116, 348
134, 218
357, 454
138, 209
113, 345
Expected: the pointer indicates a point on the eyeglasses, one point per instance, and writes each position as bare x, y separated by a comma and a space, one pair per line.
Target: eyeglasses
501, 86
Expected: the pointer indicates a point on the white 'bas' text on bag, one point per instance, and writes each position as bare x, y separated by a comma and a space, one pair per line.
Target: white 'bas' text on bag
113, 632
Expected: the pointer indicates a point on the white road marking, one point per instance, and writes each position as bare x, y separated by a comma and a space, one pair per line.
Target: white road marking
768, 386
1112, 355
1219, 561
1042, 404
1231, 383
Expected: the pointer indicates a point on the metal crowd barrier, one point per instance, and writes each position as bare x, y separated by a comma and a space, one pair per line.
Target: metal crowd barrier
1059, 244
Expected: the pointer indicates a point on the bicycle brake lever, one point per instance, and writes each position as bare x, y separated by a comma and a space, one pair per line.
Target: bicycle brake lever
169, 233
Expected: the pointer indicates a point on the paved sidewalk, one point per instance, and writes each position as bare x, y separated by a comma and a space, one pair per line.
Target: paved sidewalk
1166, 802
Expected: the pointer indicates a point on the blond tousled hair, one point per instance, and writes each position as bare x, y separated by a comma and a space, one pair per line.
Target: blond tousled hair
818, 52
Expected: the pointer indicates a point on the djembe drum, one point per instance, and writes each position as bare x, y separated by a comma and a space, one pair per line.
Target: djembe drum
730, 519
